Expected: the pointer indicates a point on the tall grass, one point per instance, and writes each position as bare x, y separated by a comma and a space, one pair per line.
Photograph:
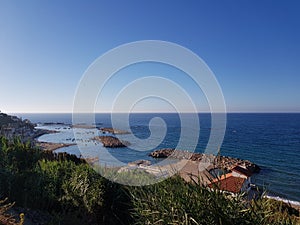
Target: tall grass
75, 194
175, 201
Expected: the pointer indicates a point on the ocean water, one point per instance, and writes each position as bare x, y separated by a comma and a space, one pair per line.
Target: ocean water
271, 140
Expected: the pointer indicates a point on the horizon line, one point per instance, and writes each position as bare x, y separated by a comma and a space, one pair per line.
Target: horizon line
143, 112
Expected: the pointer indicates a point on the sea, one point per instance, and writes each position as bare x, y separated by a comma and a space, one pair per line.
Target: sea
271, 140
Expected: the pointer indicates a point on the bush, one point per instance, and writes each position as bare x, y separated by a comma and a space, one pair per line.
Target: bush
17, 156
61, 184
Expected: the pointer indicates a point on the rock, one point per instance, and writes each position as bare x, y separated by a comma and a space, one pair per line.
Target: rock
140, 162
111, 142
162, 153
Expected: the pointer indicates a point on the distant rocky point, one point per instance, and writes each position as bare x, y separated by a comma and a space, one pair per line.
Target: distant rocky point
111, 142
13, 126
223, 162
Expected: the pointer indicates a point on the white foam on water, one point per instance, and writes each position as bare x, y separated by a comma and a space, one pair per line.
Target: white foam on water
283, 200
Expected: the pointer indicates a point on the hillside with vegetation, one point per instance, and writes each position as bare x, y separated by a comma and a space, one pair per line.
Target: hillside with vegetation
48, 188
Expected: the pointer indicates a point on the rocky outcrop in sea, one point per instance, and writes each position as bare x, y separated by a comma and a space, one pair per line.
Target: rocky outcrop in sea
111, 142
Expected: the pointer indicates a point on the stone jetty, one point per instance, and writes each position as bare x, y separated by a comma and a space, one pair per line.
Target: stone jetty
222, 162
113, 131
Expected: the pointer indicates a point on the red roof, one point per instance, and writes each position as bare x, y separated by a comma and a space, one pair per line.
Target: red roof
229, 183
242, 170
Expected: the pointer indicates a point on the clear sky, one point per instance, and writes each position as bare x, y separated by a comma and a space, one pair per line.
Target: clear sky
253, 47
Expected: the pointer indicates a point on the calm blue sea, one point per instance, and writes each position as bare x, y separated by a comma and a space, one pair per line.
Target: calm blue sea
271, 140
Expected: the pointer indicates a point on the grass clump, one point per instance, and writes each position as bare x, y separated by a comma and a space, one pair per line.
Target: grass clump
175, 201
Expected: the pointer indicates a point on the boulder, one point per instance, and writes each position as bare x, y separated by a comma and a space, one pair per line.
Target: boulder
111, 142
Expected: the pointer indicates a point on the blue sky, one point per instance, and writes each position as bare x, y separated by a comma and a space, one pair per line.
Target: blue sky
253, 48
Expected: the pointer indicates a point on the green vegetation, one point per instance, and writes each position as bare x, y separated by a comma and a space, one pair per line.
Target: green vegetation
189, 203
71, 192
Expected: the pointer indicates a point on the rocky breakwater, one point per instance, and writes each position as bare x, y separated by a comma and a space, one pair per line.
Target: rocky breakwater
229, 163
222, 162
113, 131
111, 142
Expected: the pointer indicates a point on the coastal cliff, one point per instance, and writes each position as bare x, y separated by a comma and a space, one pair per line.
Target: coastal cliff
13, 126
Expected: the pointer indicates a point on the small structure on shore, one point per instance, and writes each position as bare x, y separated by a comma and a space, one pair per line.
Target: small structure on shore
238, 180
230, 184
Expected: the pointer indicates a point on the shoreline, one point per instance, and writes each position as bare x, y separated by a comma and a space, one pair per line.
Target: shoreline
292, 203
